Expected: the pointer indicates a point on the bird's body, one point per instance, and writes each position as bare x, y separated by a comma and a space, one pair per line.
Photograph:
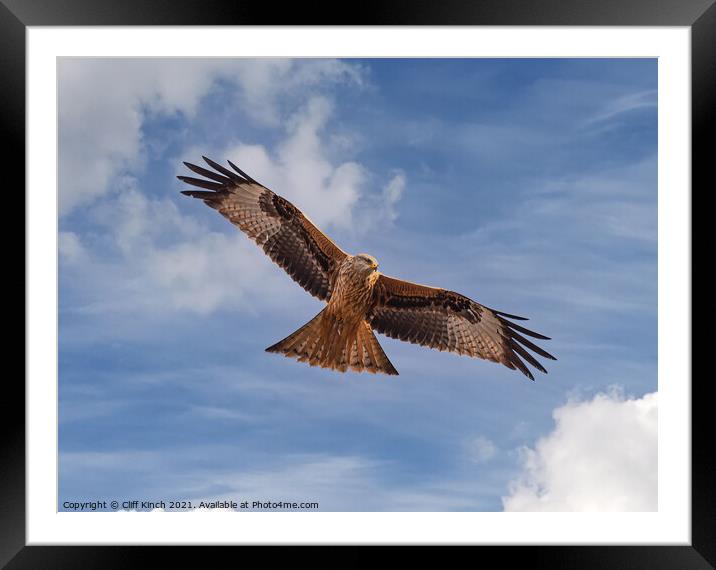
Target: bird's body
339, 337
352, 294
359, 299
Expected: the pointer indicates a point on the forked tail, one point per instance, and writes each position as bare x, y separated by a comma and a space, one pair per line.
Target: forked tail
330, 343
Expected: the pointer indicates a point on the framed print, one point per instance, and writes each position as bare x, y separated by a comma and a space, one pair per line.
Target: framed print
520, 164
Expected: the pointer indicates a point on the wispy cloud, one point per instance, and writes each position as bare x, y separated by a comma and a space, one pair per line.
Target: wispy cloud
624, 104
481, 449
343, 482
70, 247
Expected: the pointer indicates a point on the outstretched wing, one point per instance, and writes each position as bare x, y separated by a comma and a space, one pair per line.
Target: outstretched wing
445, 320
286, 235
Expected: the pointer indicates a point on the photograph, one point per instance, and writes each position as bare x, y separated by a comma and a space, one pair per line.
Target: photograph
357, 284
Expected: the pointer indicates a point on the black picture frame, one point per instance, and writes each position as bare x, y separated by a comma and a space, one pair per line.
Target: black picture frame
699, 15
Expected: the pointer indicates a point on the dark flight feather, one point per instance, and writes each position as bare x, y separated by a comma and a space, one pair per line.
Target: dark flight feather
290, 239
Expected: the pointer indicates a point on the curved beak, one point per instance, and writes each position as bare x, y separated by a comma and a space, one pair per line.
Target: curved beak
374, 265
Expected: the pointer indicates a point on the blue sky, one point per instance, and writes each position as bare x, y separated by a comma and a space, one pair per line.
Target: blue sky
528, 185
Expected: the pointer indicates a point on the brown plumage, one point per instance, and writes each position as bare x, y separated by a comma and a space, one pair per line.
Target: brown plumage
359, 299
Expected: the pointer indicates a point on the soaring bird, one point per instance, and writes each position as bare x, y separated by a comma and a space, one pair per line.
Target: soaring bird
359, 299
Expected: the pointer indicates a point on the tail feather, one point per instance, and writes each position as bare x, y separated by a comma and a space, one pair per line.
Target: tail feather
329, 343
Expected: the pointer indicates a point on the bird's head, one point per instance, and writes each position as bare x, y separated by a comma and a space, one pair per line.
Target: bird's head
365, 263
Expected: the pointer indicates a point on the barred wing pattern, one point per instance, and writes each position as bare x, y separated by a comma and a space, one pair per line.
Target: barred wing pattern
286, 235
446, 320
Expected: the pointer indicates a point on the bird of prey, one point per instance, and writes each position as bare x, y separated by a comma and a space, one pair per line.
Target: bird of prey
359, 299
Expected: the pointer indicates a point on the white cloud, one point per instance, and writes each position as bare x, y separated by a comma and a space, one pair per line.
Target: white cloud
392, 192
201, 273
601, 456
211, 273
136, 221
103, 102
149, 258
481, 449
168, 261
375, 211
301, 169
265, 82
70, 247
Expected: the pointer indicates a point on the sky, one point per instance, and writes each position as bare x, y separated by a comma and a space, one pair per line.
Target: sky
529, 185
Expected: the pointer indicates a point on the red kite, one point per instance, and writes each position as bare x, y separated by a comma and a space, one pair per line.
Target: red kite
359, 299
